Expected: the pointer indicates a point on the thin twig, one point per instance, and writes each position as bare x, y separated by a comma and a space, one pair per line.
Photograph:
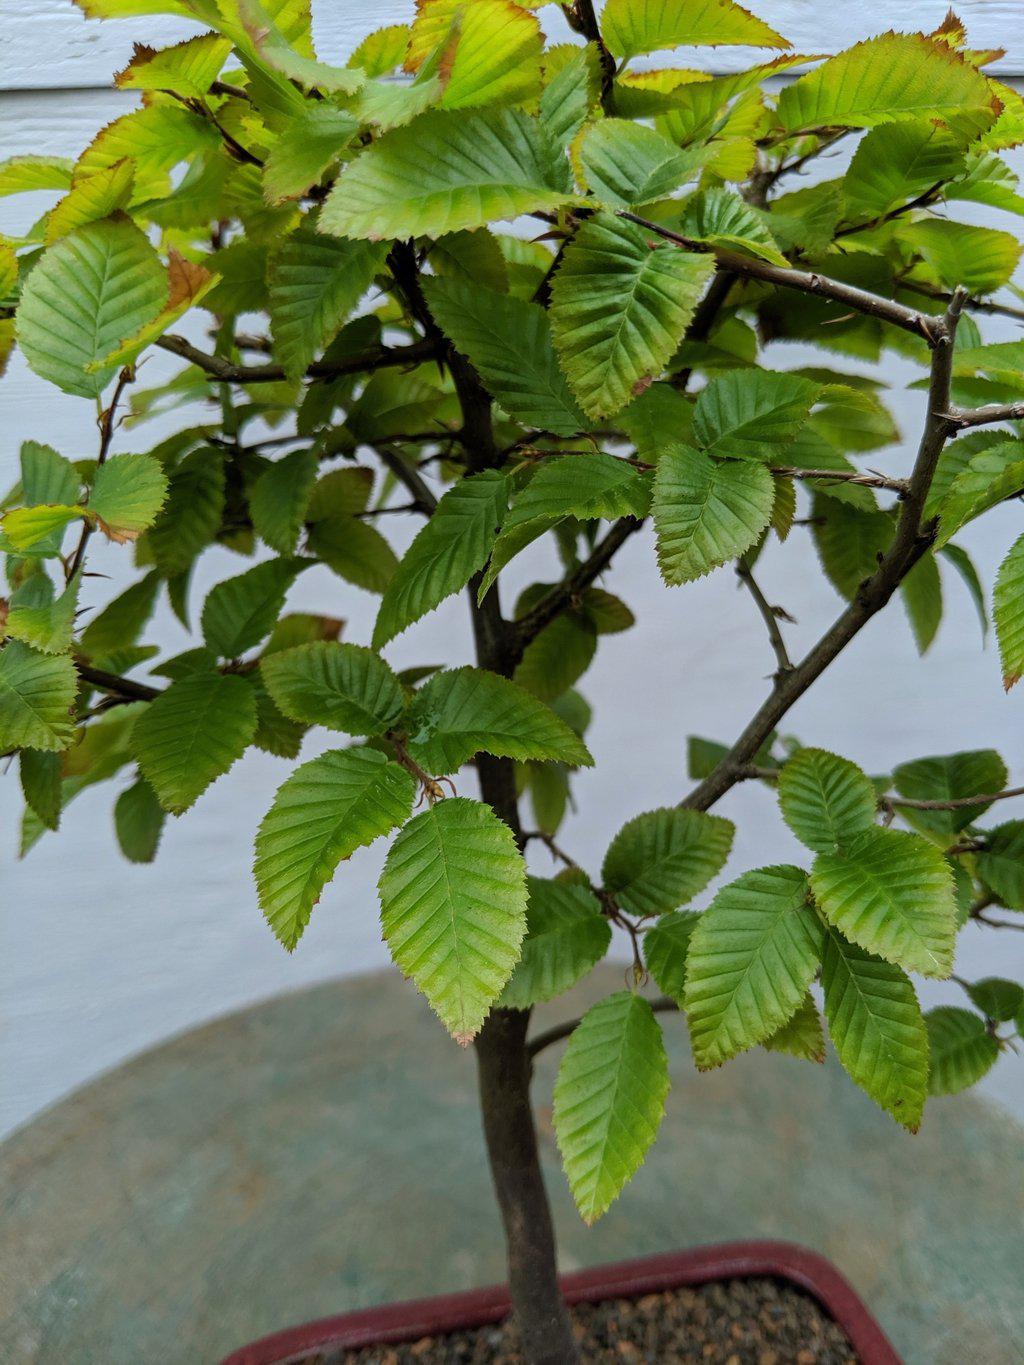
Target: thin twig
998, 923
124, 688
806, 282
583, 19
768, 615
886, 802
962, 418
548, 841
927, 197
388, 511
373, 358
854, 476
910, 541
973, 305
955, 803
563, 594
107, 426
423, 499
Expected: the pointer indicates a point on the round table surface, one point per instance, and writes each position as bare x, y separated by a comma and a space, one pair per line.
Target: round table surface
321, 1152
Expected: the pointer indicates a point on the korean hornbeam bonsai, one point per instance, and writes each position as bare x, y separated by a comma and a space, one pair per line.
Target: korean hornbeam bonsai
528, 292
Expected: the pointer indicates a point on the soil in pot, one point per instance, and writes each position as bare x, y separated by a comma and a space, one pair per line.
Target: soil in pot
731, 1322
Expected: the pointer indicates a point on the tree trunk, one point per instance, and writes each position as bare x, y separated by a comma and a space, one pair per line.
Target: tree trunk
503, 1066
504, 1071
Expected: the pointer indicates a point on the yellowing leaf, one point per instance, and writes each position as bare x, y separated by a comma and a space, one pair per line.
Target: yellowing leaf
630, 27
187, 69
889, 78
493, 52
94, 197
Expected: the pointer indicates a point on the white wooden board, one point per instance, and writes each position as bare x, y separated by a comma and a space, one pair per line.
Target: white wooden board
48, 44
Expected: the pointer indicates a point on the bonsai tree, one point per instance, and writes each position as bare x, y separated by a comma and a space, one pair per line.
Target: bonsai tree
526, 293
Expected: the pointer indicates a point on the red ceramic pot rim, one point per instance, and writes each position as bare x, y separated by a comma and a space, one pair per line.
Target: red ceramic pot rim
415, 1318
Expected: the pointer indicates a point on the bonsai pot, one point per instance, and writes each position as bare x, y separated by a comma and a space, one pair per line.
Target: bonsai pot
417, 1318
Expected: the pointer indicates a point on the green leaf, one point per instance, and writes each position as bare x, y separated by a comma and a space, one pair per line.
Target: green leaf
949, 777
849, 542
342, 687
626, 164
890, 893
962, 1050
304, 149
314, 283
990, 477
896, 162
355, 551
887, 79
37, 692
722, 218
825, 800
279, 499
38, 530
327, 809
752, 414
630, 27
47, 477
138, 821
342, 492
462, 711
964, 566
449, 170
475, 257
570, 94
25, 174
921, 591
1008, 613
752, 956
38, 618
566, 935
453, 908
187, 69
40, 773
619, 308
876, 1025
666, 948
981, 259
508, 341
191, 516
87, 294
242, 611
581, 486
663, 858
609, 1099
1001, 865
803, 1036
558, 657
706, 512
997, 998
127, 493
446, 553
192, 734
121, 621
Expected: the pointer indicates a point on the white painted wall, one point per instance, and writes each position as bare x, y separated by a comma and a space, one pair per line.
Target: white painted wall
102, 959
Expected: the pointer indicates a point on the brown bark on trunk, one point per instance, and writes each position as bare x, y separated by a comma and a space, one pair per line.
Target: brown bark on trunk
503, 1065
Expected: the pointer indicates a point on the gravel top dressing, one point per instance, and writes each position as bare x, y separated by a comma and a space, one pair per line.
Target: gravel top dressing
731, 1322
